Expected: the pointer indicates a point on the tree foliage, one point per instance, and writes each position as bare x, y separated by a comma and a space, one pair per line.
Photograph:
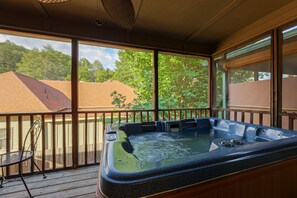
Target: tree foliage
95, 72
219, 86
48, 64
85, 72
45, 64
135, 69
183, 81
104, 75
240, 76
10, 55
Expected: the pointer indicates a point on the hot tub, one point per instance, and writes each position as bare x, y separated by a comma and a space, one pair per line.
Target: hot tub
142, 159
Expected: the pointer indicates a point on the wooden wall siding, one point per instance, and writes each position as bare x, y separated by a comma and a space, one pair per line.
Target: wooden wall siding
276, 19
271, 181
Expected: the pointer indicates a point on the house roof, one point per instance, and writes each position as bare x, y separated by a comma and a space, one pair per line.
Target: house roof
93, 95
20, 93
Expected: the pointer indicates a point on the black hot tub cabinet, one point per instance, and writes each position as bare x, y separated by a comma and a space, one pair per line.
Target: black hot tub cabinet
227, 147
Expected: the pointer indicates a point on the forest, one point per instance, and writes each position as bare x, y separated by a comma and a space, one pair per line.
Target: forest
183, 80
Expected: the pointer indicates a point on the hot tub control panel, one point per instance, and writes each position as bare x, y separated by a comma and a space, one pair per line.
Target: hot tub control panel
111, 136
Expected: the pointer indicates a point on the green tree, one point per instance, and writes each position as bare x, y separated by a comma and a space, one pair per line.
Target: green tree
100, 73
85, 71
10, 55
219, 86
239, 75
104, 75
47, 64
183, 81
97, 65
135, 69
95, 72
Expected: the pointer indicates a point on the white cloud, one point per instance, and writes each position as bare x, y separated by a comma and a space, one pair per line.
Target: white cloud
107, 56
31, 43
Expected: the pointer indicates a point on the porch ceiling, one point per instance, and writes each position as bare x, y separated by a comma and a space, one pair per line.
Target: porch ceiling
175, 22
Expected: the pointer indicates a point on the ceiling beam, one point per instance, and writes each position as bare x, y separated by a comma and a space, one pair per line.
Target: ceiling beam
273, 20
229, 7
66, 29
41, 10
137, 5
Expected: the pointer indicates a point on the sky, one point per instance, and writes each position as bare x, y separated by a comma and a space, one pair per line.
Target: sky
107, 56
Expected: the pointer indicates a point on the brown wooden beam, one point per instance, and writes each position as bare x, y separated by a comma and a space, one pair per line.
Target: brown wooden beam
54, 140
227, 82
8, 137
20, 127
64, 140
155, 85
212, 92
43, 142
276, 80
74, 101
32, 142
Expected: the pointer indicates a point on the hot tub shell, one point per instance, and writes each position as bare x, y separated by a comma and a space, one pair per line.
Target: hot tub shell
168, 175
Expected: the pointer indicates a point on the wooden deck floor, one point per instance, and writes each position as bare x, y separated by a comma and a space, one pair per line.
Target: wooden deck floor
70, 183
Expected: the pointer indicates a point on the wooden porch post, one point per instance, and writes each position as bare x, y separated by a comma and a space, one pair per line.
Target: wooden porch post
211, 86
74, 101
276, 81
155, 85
226, 83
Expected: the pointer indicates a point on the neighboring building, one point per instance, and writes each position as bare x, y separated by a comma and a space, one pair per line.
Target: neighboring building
23, 94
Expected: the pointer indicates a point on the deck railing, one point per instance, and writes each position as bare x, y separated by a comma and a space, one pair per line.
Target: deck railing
289, 119
243, 115
178, 114
54, 147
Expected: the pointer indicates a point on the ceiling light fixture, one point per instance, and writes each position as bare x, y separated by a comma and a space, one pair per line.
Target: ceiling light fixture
121, 11
53, 1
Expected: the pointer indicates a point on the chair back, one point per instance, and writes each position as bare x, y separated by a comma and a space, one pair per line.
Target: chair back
33, 132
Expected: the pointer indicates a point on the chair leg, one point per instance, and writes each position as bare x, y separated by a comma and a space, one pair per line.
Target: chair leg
39, 170
25, 184
2, 178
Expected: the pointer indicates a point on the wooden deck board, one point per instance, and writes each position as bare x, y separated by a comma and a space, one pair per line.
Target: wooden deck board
91, 195
70, 183
53, 175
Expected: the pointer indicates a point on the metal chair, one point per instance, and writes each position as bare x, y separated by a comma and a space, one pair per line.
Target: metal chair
17, 157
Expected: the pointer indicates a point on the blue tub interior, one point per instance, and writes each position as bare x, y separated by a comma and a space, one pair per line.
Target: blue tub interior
137, 156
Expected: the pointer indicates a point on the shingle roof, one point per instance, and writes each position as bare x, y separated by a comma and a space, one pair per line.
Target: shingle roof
94, 95
20, 93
